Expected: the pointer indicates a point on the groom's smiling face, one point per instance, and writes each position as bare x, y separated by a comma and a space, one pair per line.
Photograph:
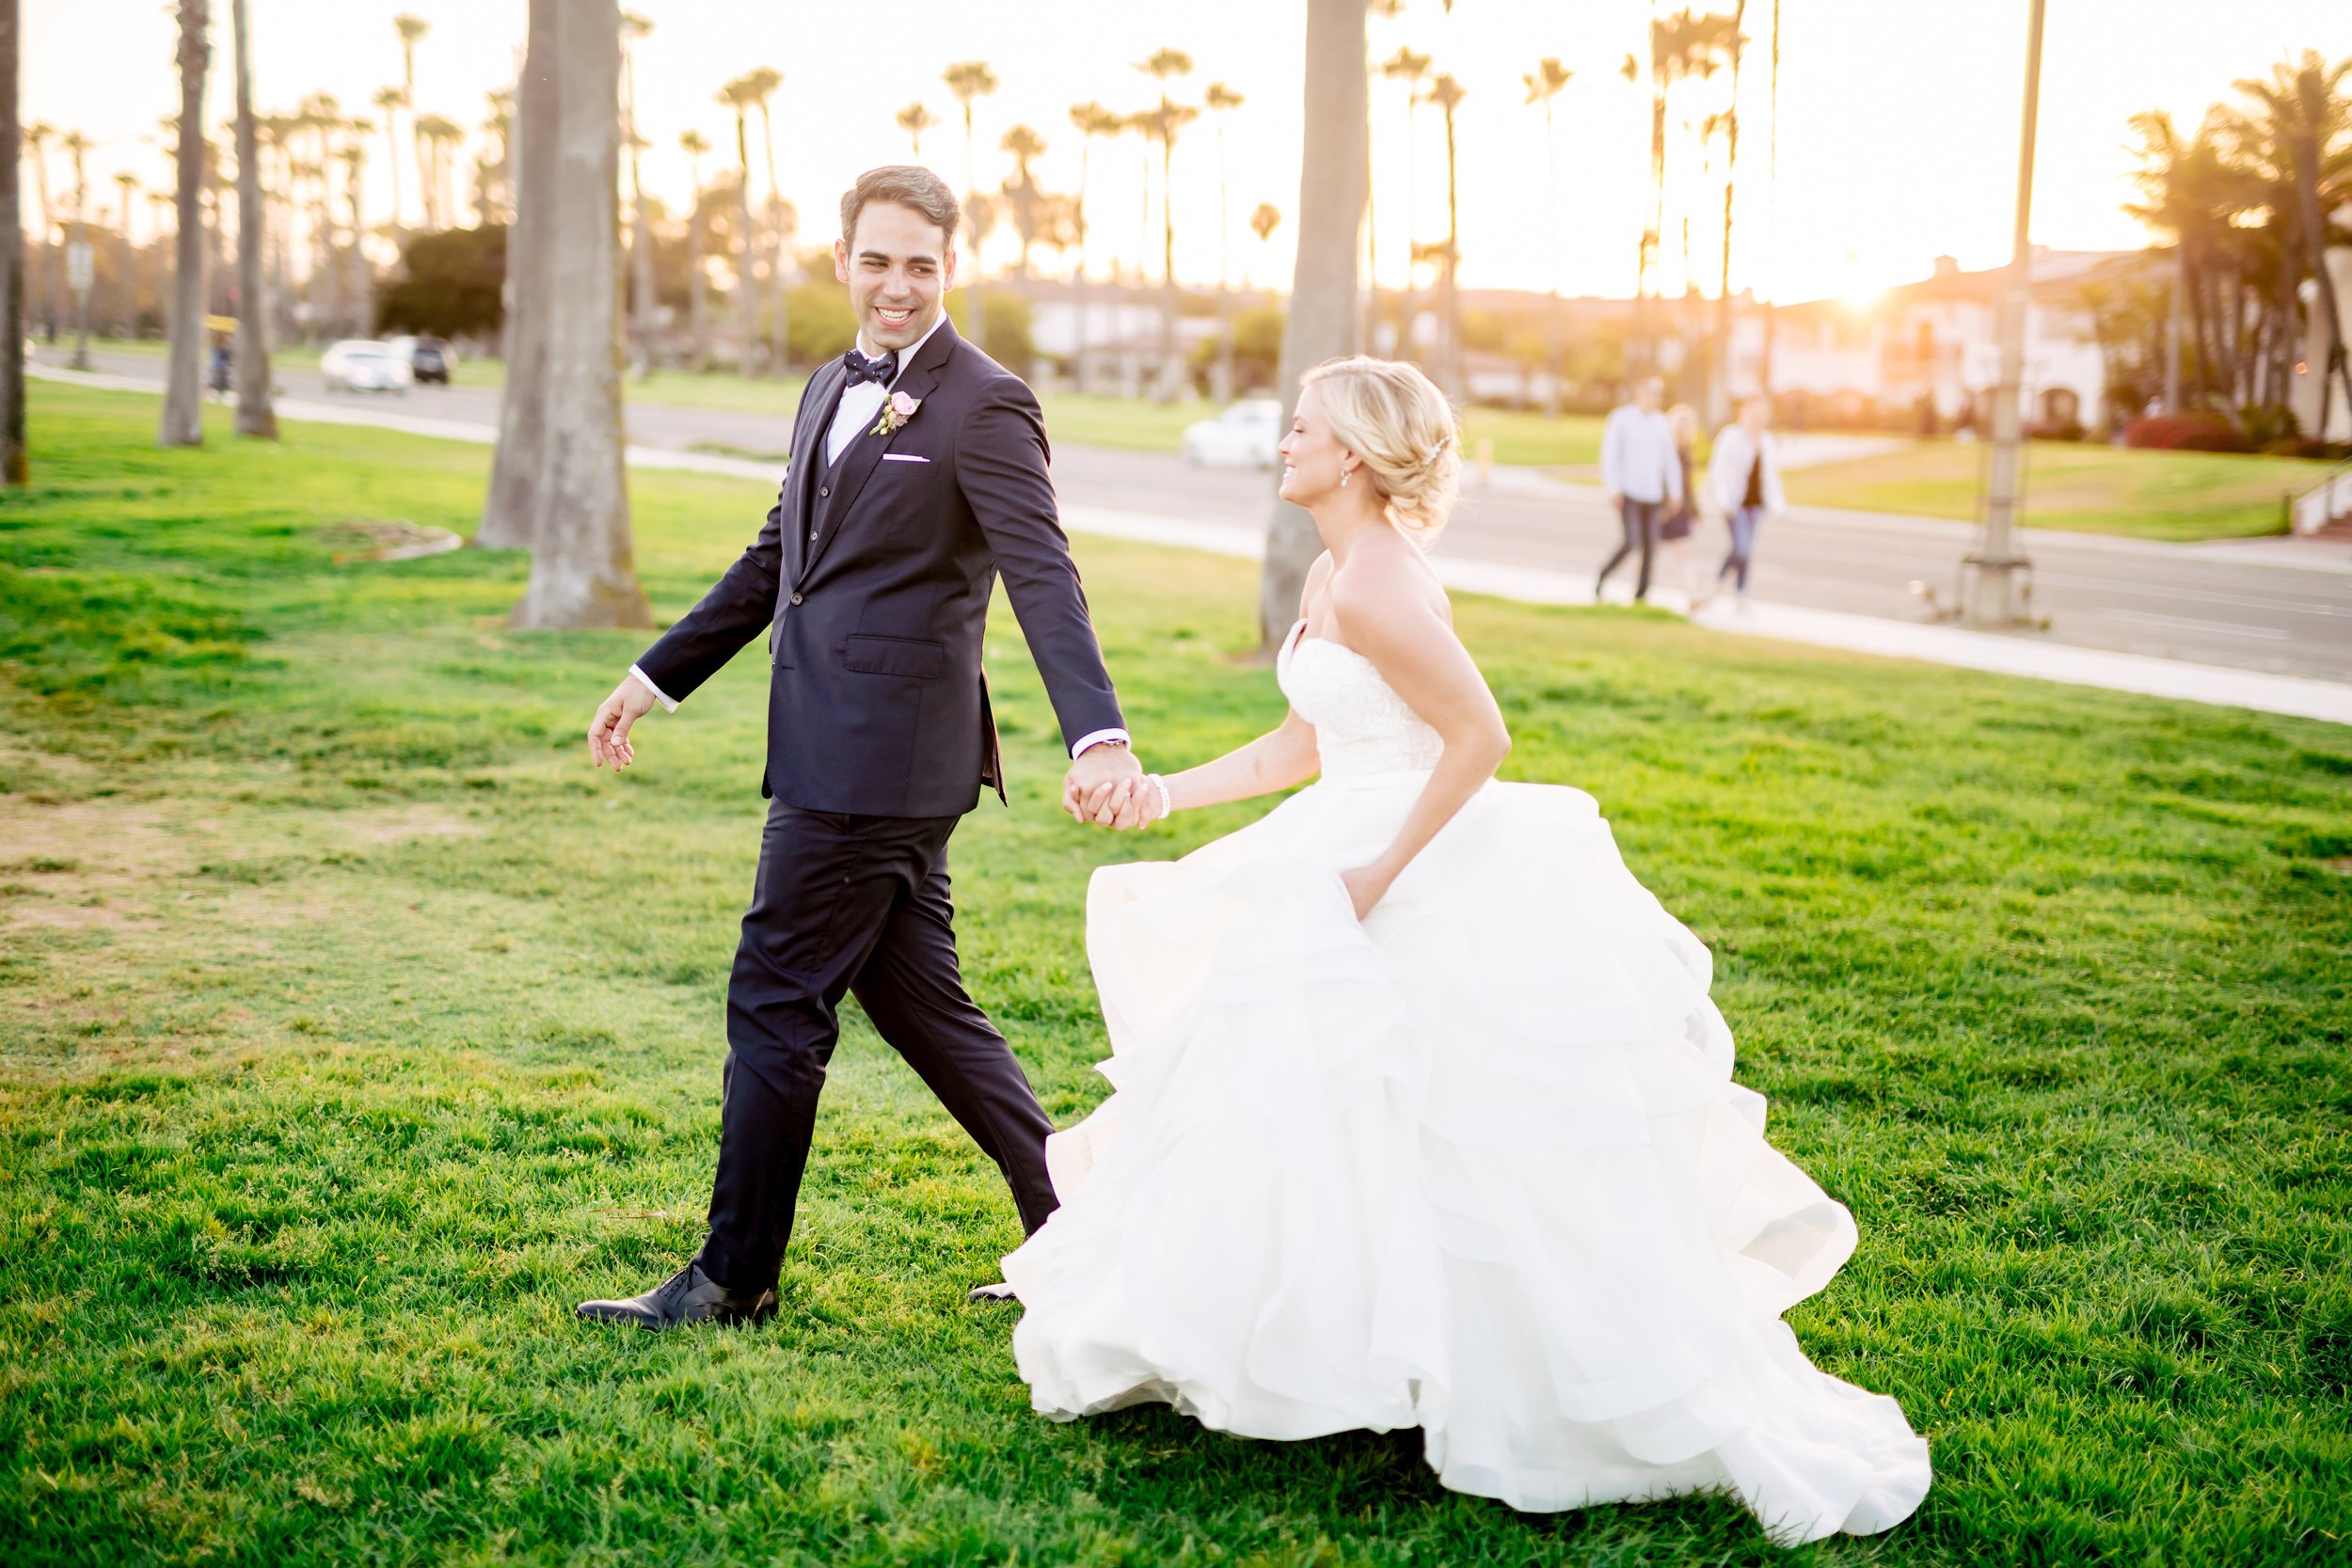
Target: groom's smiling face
898, 265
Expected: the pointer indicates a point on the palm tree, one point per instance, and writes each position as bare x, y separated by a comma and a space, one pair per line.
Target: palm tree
512, 509
1411, 68
497, 173
1267, 218
443, 138
2305, 112
914, 120
968, 80
354, 157
411, 30
633, 29
698, 281
1719, 398
36, 137
1165, 121
391, 100
1771, 181
256, 417
1544, 83
1222, 100
1022, 193
128, 185
1092, 120
739, 95
77, 146
14, 468
184, 377
1448, 94
582, 573
762, 83
1387, 10
1322, 318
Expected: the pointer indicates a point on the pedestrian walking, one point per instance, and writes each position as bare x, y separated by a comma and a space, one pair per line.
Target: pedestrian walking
1673, 528
1744, 479
1640, 475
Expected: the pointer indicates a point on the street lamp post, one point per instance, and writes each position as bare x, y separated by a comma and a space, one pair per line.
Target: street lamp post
80, 273
1992, 596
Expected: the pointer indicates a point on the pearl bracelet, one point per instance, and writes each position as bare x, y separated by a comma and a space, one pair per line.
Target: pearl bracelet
1167, 807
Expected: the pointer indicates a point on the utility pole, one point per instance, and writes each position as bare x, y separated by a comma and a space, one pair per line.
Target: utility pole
1991, 596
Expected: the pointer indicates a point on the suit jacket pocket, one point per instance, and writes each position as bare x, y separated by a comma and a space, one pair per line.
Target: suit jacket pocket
895, 655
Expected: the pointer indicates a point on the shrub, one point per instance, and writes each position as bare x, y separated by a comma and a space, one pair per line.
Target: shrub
2199, 430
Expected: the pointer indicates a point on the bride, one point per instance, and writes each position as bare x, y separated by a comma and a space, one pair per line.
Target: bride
1423, 1117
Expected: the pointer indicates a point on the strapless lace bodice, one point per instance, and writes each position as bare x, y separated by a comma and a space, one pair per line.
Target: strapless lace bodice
1362, 727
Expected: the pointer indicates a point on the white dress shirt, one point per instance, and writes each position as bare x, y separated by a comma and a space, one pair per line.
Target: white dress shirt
1638, 459
860, 407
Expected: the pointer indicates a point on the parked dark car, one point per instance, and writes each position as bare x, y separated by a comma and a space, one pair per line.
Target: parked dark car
429, 359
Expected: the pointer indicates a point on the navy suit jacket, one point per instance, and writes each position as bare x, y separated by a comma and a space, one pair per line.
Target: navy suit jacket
872, 578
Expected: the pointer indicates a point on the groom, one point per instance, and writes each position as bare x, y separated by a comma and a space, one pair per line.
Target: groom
918, 474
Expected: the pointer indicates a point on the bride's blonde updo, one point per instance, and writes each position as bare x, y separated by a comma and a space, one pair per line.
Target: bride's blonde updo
1392, 417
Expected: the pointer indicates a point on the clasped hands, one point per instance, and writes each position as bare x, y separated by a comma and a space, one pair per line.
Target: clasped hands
1106, 786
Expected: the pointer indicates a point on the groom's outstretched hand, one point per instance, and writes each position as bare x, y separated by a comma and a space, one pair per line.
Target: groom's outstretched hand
608, 737
1101, 787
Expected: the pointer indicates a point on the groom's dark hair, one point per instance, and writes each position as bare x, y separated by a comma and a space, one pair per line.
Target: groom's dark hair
908, 185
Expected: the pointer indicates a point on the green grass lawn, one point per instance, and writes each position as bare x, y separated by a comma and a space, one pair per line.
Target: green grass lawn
352, 1029
2084, 487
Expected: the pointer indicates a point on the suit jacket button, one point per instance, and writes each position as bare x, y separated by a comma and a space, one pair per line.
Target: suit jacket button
796, 598
823, 491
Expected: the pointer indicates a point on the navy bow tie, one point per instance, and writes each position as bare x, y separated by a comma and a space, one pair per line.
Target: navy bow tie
863, 369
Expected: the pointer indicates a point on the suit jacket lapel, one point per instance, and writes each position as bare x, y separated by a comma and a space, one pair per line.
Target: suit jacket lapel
864, 453
808, 447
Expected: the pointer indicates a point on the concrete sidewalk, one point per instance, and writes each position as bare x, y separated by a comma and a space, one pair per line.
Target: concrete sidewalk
2025, 656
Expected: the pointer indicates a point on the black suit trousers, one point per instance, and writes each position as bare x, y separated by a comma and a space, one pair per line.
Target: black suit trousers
856, 905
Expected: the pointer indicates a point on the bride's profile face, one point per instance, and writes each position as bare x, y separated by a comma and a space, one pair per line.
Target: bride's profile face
1311, 454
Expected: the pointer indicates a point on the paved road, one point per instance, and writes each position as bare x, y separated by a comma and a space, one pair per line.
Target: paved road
2279, 606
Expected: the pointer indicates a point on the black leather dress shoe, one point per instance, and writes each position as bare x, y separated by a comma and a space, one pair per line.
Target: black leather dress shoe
688, 1296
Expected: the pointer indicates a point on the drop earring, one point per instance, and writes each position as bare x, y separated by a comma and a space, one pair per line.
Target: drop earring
1342, 479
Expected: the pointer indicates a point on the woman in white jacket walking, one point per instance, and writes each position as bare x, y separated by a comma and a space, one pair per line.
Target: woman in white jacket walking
1744, 479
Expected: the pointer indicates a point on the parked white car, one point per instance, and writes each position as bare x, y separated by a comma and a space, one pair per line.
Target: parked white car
1243, 436
364, 365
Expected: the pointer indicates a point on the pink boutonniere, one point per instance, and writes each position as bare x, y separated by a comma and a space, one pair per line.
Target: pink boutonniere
896, 413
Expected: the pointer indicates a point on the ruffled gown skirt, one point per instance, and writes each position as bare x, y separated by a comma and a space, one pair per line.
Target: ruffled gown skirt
1474, 1164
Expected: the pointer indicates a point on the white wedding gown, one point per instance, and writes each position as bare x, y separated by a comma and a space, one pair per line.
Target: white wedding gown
1474, 1164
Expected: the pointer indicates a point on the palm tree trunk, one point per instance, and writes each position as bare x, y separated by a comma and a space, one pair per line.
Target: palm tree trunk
184, 376
1078, 360
698, 286
49, 311
746, 285
640, 306
256, 417
1171, 372
510, 511
779, 259
582, 573
362, 280
1455, 383
1322, 314
979, 313
14, 468
1720, 402
2315, 248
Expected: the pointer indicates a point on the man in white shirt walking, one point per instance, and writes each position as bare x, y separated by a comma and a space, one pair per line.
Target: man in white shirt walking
1642, 475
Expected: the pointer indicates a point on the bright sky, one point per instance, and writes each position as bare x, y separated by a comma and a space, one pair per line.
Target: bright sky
1898, 126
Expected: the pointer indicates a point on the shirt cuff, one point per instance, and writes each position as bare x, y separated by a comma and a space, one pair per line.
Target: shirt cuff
668, 702
1086, 742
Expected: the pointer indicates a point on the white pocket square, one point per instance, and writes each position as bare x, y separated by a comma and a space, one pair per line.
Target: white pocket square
903, 457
